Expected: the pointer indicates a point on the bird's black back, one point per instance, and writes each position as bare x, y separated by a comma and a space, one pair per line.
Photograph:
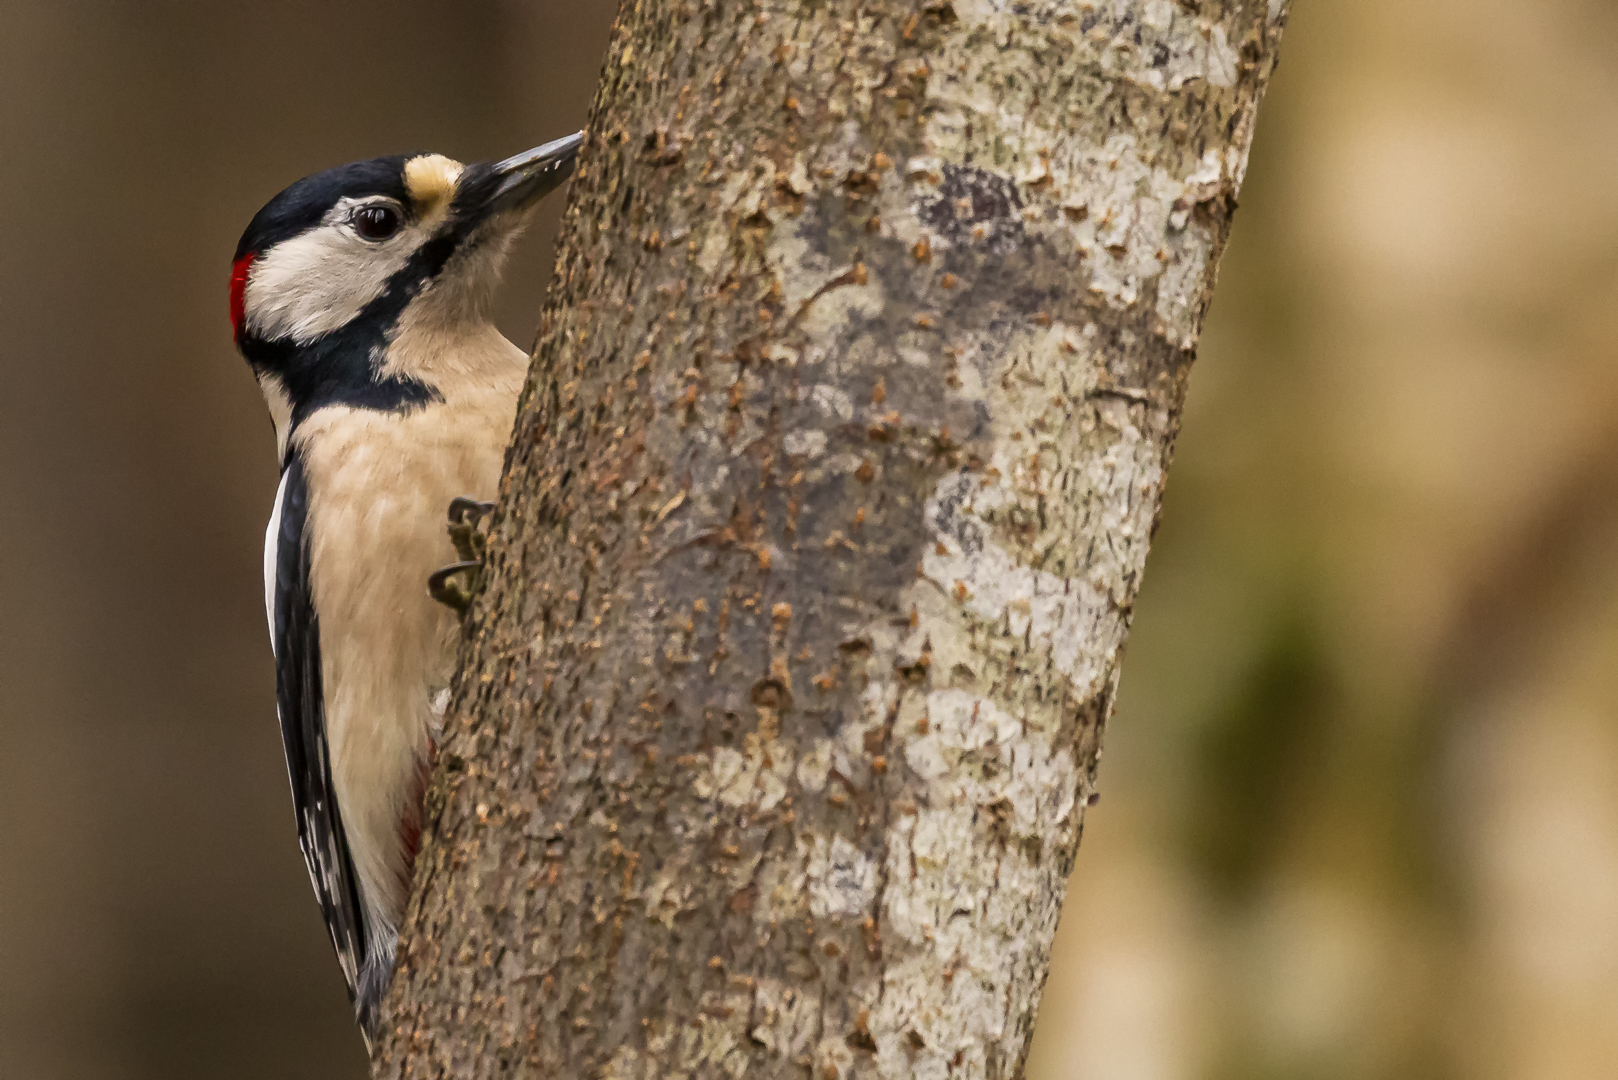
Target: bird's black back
298, 695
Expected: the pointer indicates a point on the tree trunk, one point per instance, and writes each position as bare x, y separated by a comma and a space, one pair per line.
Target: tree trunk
821, 529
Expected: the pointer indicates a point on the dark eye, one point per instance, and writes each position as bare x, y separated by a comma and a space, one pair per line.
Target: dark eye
376, 222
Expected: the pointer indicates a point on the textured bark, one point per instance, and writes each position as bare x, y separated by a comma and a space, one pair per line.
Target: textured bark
824, 517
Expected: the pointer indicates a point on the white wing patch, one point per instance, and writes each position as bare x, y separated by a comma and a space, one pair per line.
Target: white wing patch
272, 535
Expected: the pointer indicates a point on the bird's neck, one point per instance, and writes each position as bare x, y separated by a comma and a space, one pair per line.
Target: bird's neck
426, 359
339, 369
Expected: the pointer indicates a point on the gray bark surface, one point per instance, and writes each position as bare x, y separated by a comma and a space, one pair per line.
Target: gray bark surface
823, 521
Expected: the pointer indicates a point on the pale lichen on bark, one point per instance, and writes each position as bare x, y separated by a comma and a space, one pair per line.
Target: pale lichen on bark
824, 519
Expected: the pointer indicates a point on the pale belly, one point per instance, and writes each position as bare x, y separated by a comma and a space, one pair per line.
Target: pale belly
379, 488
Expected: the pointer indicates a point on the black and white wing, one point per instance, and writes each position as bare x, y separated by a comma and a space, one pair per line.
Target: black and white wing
295, 637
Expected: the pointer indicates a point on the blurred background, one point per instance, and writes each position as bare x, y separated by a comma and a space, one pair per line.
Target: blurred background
1360, 799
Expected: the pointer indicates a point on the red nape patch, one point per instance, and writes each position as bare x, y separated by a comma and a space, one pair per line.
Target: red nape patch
238, 290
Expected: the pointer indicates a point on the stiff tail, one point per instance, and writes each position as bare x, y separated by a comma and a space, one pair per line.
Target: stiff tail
374, 978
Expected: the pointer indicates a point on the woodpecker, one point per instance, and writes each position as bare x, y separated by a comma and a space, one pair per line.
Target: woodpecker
360, 298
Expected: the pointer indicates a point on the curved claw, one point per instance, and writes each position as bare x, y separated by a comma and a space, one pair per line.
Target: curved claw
464, 517
465, 510
441, 588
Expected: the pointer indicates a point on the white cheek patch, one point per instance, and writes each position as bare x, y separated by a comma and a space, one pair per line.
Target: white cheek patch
317, 282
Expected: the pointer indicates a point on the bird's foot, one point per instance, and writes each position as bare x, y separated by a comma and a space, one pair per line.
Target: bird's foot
456, 584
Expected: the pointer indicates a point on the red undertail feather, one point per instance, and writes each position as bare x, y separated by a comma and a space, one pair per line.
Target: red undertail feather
410, 822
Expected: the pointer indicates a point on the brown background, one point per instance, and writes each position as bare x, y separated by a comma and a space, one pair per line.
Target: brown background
1361, 796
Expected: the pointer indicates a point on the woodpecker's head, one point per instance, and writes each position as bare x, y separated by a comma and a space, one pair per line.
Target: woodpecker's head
332, 270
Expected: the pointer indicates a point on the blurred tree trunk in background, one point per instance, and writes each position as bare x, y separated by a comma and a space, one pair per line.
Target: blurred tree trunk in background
825, 514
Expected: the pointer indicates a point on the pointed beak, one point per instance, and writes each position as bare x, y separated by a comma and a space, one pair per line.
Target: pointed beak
524, 179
